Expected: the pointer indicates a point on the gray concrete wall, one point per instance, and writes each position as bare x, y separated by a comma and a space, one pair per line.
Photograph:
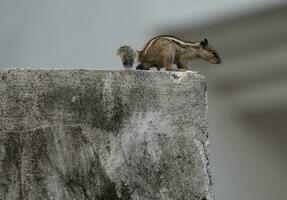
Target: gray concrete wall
89, 134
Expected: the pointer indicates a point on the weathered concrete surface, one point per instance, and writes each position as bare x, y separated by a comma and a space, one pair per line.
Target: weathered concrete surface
107, 135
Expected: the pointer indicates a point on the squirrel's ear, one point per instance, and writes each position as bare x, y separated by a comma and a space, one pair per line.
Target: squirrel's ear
204, 42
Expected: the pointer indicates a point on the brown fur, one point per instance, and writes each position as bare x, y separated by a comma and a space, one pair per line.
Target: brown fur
164, 51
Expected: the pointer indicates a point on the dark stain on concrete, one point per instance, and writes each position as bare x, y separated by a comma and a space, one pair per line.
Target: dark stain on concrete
11, 165
87, 107
34, 154
125, 192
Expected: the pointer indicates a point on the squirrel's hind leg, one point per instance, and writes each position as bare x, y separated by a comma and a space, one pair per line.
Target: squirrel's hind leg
143, 66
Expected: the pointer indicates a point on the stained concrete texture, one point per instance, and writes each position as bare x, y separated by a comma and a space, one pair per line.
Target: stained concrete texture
104, 135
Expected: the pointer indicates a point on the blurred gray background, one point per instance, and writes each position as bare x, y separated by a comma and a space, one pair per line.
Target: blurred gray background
247, 93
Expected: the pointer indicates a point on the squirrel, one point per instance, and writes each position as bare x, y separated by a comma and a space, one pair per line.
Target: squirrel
165, 50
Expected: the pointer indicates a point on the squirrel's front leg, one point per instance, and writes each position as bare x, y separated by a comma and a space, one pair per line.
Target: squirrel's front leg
168, 67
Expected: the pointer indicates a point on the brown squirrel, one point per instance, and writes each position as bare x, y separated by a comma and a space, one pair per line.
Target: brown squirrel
165, 50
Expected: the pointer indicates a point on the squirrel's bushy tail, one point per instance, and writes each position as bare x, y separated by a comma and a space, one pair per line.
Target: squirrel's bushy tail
127, 56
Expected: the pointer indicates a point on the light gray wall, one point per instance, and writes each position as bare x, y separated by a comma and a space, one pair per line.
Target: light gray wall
70, 33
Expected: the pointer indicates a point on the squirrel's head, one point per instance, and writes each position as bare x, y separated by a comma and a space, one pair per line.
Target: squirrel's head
208, 53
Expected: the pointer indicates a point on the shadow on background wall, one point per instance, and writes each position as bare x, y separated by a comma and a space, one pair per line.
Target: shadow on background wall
247, 102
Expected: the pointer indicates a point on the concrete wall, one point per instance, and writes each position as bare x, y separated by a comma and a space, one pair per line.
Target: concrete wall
88, 134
